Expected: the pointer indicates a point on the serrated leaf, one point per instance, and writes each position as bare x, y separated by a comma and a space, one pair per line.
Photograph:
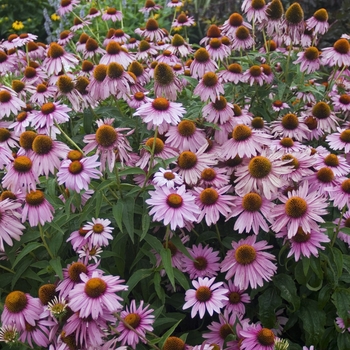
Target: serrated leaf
268, 302
343, 341
288, 290
25, 251
341, 300
313, 320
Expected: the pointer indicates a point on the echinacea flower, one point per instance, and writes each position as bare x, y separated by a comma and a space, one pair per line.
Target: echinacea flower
106, 141
236, 298
166, 178
98, 232
262, 175
244, 142
10, 226
340, 194
112, 14
233, 74
8, 334
96, 295
9, 103
37, 209
21, 175
242, 40
309, 60
209, 87
47, 154
338, 55
232, 24
220, 111
256, 11
160, 112
71, 276
185, 136
152, 31
207, 296
202, 63
256, 337
336, 163
66, 6
300, 209
173, 206
339, 140
204, 262
293, 24
166, 83
191, 164
212, 203
214, 177
318, 22
253, 211
248, 263
58, 59
21, 309
304, 244
183, 20
140, 319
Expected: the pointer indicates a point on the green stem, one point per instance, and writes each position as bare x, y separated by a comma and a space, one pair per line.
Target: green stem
68, 138
338, 226
6, 269
42, 235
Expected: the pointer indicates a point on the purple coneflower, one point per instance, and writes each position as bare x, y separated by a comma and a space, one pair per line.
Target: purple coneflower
167, 178
66, 6
205, 297
242, 40
173, 206
112, 14
214, 177
318, 22
21, 175
99, 232
107, 140
341, 102
43, 94
115, 53
76, 172
161, 112
309, 60
96, 295
150, 5
37, 209
338, 55
183, 20
290, 126
233, 74
255, 10
253, 211
230, 26
300, 209
190, 165
202, 63
218, 111
337, 163
209, 87
140, 319
256, 337
339, 140
248, 264
204, 262
236, 299
174, 3
293, 24
138, 99
304, 244
340, 195
262, 174
9, 103
21, 309
58, 60
255, 74
152, 31
166, 83
10, 226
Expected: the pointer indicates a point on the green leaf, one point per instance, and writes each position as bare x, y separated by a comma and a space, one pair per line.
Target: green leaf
158, 287
128, 216
167, 334
131, 171
99, 198
21, 269
165, 254
26, 250
55, 242
269, 301
341, 300
29, 273
117, 211
181, 279
87, 121
180, 246
135, 278
313, 320
154, 242
288, 290
306, 264
343, 341
57, 267
345, 230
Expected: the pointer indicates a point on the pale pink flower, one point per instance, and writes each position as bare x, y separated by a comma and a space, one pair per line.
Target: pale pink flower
258, 338
207, 296
99, 232
236, 299
9, 103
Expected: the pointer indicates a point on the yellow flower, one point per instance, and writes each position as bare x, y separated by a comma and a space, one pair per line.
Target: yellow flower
177, 29
17, 25
55, 17
156, 16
